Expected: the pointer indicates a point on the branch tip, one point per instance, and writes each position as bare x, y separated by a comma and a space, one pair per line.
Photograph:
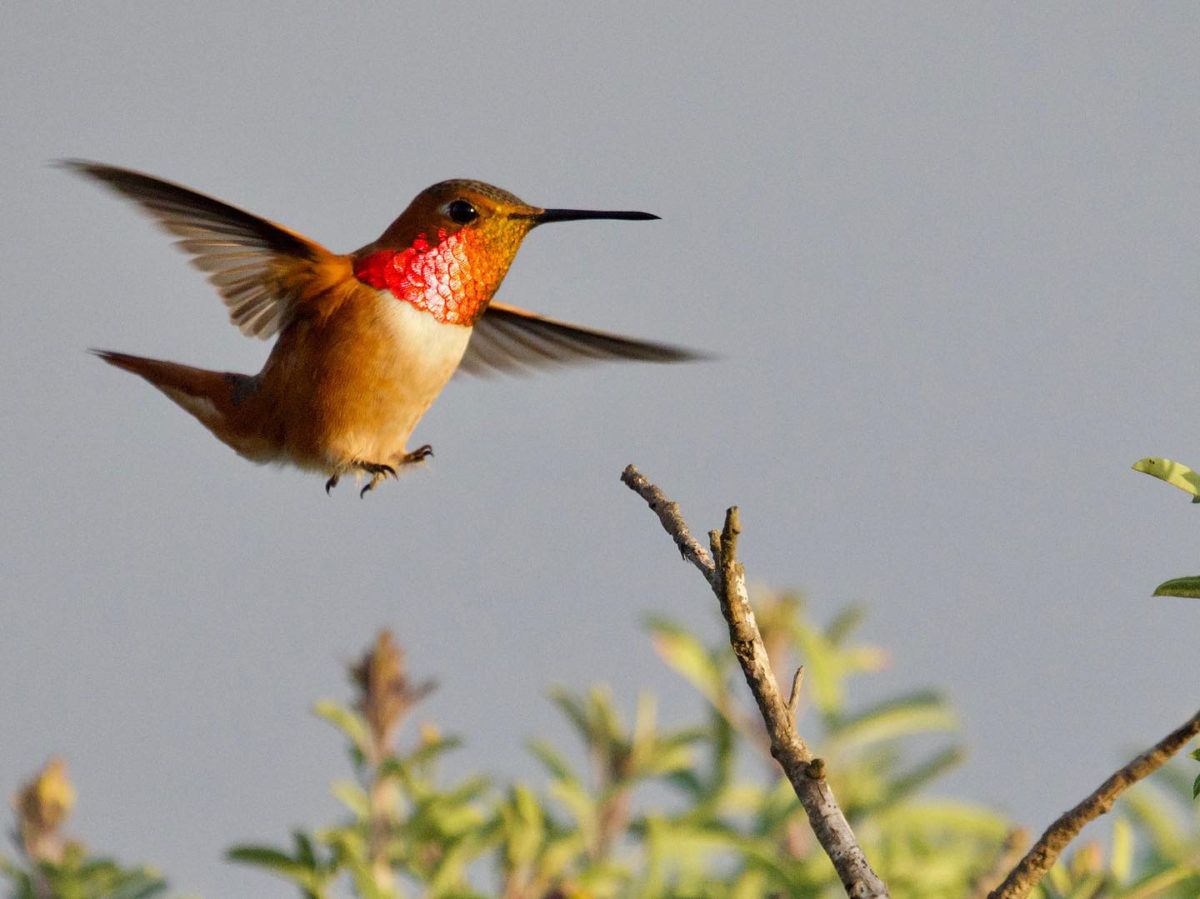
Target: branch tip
793, 702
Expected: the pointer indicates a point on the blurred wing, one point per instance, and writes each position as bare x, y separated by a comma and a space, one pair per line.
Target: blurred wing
259, 268
508, 339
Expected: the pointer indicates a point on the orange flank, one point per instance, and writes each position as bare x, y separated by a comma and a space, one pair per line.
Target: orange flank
366, 340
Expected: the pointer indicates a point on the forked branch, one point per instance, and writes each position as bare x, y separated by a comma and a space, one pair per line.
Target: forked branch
725, 576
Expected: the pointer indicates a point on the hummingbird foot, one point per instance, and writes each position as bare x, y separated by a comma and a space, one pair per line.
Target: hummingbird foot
378, 473
420, 454
330, 484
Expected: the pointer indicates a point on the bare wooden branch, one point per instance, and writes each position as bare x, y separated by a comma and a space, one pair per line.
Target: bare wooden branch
807, 774
672, 521
1025, 876
727, 579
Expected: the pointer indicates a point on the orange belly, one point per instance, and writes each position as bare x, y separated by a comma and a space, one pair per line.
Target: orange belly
351, 387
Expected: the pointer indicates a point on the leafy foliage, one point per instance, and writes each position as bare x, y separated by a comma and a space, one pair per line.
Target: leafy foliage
58, 867
699, 811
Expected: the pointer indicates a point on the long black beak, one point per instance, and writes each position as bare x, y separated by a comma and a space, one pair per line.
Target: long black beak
574, 215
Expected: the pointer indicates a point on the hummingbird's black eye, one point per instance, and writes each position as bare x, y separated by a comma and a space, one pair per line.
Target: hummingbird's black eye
462, 211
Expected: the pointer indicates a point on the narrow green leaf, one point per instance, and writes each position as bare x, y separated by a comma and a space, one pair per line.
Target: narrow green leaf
824, 675
364, 879
692, 660
845, 623
304, 849
136, 885
348, 722
1157, 885
1188, 587
352, 796
580, 803
553, 760
954, 817
525, 826
1155, 818
1121, 855
573, 709
913, 781
1174, 473
277, 862
920, 712
606, 723
432, 750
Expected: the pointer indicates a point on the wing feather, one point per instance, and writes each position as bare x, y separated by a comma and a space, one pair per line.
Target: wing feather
509, 339
259, 268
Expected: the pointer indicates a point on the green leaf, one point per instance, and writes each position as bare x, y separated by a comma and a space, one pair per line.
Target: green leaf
1174, 473
352, 796
304, 849
277, 862
432, 750
1188, 587
553, 760
1154, 818
1121, 854
1156, 885
950, 816
573, 709
580, 803
349, 723
844, 624
524, 826
824, 675
263, 856
1196, 787
920, 712
916, 779
1087, 888
691, 659
605, 723
102, 877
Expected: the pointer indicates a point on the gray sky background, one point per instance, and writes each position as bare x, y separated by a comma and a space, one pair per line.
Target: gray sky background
949, 256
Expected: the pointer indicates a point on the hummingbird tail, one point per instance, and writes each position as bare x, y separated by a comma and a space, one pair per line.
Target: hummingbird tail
211, 396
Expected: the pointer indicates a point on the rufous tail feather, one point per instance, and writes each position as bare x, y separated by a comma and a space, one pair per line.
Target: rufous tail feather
210, 396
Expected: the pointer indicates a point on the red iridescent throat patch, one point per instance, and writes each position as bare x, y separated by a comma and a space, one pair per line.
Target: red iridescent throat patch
440, 278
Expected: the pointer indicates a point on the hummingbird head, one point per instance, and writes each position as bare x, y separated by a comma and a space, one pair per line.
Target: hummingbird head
450, 249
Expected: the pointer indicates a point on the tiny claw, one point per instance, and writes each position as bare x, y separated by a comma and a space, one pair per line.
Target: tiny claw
378, 472
420, 454
330, 484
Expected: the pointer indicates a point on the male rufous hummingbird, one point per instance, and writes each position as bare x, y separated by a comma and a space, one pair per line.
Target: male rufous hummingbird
366, 340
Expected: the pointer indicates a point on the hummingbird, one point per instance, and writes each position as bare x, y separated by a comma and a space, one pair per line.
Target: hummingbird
365, 341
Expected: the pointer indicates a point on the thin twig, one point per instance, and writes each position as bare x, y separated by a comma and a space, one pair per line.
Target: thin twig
1025, 876
793, 703
727, 579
